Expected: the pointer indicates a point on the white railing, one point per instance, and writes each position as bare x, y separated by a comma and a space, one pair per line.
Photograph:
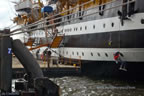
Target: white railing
42, 25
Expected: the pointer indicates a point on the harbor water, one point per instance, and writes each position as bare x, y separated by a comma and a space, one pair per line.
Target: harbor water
90, 86
84, 86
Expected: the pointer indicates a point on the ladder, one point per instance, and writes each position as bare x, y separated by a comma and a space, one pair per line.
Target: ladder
56, 41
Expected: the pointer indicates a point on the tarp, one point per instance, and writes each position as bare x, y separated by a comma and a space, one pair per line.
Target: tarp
48, 9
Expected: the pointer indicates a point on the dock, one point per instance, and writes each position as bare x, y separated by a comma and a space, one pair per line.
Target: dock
55, 70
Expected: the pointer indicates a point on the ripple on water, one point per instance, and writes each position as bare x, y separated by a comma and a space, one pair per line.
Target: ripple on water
83, 86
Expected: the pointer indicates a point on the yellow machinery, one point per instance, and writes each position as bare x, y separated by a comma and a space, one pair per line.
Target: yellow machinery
66, 5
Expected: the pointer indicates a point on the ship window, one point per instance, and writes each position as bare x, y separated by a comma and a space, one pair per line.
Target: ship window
77, 53
72, 53
106, 54
63, 52
142, 21
85, 27
91, 54
112, 24
80, 28
104, 25
67, 52
76, 29
82, 54
93, 26
98, 54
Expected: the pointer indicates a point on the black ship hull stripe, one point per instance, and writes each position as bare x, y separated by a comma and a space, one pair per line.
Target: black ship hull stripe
111, 69
122, 39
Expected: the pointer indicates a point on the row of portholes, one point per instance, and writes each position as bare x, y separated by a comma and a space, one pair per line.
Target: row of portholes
37, 33
76, 29
98, 54
104, 25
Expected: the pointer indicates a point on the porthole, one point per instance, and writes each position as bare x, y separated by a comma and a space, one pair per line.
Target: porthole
104, 25
67, 52
142, 21
91, 54
98, 54
82, 54
77, 53
63, 52
93, 26
85, 27
76, 29
72, 53
80, 28
112, 24
106, 54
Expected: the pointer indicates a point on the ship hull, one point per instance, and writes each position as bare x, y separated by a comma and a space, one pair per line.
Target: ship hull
117, 39
109, 69
95, 42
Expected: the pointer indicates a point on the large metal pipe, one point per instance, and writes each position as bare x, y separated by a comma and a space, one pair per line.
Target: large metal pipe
26, 58
5, 62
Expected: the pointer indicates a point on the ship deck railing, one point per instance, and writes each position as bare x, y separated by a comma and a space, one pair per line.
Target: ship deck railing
42, 24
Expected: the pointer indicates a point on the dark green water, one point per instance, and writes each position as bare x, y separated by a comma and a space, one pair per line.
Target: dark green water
84, 86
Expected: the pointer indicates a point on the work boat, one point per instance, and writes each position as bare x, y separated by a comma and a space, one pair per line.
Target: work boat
92, 32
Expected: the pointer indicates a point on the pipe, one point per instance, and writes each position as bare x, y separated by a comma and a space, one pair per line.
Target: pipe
27, 60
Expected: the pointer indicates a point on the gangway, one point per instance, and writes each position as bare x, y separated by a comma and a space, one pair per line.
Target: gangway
56, 41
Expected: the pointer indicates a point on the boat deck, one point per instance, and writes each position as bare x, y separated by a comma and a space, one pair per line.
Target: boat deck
43, 64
